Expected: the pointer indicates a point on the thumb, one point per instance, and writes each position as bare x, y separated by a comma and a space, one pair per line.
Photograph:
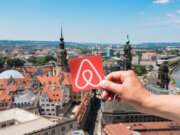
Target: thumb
111, 86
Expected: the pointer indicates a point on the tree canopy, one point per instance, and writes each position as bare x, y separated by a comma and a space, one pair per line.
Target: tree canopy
140, 69
15, 62
45, 60
2, 61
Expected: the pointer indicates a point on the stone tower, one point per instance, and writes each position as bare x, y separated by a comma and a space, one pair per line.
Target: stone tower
61, 65
163, 80
127, 55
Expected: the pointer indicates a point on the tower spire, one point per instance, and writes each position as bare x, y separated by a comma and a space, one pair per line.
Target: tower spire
61, 31
61, 44
128, 41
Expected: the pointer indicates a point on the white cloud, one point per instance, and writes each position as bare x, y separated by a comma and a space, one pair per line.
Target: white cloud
178, 12
177, 21
161, 1
170, 15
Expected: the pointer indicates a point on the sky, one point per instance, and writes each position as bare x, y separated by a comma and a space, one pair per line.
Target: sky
92, 21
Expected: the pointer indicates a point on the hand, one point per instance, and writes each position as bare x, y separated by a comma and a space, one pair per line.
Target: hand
127, 86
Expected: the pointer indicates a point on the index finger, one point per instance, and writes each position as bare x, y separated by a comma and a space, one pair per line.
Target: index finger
117, 76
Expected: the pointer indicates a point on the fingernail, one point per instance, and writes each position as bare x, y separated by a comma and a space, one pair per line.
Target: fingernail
103, 94
103, 83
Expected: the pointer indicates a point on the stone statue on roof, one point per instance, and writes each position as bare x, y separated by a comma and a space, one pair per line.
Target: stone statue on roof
128, 41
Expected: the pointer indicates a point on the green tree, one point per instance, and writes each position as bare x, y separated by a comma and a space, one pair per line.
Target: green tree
139, 53
85, 51
45, 60
2, 61
140, 69
159, 51
118, 54
172, 63
15, 62
144, 77
32, 59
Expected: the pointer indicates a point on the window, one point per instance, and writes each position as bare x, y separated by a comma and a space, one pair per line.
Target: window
3, 125
63, 128
47, 110
47, 104
52, 104
46, 133
53, 132
42, 104
52, 109
11, 123
70, 126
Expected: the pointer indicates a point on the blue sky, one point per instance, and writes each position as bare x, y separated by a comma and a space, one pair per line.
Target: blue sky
99, 21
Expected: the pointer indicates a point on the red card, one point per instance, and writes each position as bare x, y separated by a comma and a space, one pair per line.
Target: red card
86, 73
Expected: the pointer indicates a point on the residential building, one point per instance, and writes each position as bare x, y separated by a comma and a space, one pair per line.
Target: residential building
150, 56
109, 53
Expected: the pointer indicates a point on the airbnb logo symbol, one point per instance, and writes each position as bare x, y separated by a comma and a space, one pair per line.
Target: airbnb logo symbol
86, 73
88, 81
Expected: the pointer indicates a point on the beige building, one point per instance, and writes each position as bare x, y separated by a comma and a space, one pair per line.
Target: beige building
18, 122
136, 60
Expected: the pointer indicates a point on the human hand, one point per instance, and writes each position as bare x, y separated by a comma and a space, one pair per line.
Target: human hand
127, 86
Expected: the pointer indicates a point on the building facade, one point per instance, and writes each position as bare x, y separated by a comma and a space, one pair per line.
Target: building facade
163, 80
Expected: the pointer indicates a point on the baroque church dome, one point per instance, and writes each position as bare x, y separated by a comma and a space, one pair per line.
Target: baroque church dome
10, 73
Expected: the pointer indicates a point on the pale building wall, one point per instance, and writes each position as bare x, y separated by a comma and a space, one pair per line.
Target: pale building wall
47, 107
59, 129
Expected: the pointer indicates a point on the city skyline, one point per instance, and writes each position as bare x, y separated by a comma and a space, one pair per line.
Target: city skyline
91, 21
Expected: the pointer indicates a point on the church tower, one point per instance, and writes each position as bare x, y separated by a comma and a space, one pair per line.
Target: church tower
61, 65
127, 55
163, 80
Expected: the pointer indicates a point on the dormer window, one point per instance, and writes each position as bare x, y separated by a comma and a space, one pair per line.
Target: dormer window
3, 100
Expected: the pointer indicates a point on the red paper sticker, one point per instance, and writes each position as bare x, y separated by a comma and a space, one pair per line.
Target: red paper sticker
86, 73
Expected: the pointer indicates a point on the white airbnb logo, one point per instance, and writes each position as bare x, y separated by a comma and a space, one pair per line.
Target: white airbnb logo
88, 81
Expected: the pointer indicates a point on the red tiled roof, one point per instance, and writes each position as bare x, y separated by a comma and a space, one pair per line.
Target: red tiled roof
151, 125
11, 88
54, 96
49, 87
160, 133
149, 53
21, 84
45, 69
82, 107
4, 97
49, 82
116, 129
144, 128
55, 79
31, 70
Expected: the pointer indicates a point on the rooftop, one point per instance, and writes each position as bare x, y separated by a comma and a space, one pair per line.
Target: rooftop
117, 129
10, 73
143, 128
27, 122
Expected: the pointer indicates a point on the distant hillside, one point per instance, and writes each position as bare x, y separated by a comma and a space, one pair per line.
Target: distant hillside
48, 44
159, 44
